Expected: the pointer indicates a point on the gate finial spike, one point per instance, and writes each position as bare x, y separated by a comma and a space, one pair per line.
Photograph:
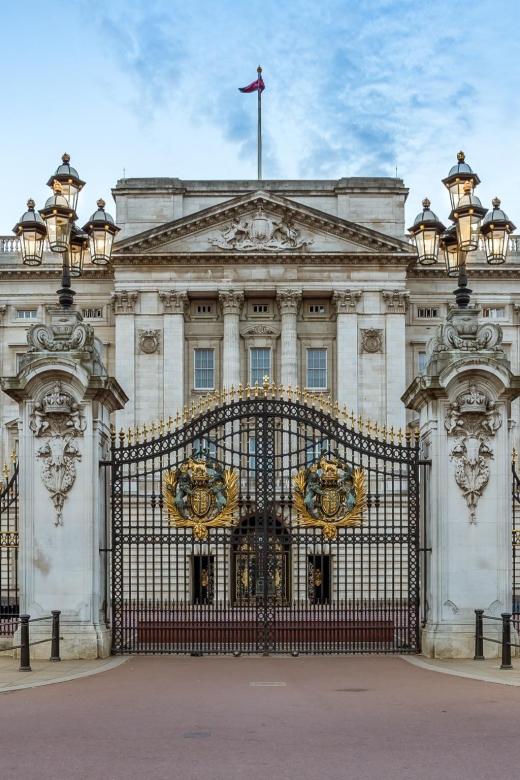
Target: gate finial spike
360, 423
408, 435
153, 428
400, 436
391, 434
201, 404
6, 472
145, 432
193, 409
273, 390
336, 409
185, 415
232, 394
344, 415
289, 391
256, 389
112, 432
161, 426
265, 385
368, 427
383, 432
121, 437
376, 430
14, 456
240, 391
177, 420
129, 435
297, 393
352, 418
137, 435
281, 392
417, 435
248, 390
224, 395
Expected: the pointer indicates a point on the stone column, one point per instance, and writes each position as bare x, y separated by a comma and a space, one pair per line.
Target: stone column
123, 304
396, 307
231, 302
174, 306
464, 401
65, 400
289, 303
347, 349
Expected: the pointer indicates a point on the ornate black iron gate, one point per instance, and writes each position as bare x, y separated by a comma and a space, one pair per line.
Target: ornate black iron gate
9, 593
264, 521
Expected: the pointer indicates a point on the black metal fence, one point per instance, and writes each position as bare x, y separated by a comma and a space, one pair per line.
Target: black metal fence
505, 640
9, 592
516, 546
24, 622
265, 521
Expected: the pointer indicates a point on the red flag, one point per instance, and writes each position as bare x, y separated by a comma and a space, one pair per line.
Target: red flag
256, 86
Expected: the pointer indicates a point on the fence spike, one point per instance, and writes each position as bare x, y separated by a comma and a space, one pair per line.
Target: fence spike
14, 456
153, 428
352, 418
185, 415
112, 433
289, 391
400, 436
161, 427
297, 393
129, 435
265, 385
121, 438
178, 419
240, 391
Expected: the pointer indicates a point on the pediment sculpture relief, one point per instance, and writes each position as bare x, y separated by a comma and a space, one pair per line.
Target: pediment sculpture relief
261, 232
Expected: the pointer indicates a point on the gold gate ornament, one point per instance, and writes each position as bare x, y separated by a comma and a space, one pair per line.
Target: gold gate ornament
329, 495
201, 494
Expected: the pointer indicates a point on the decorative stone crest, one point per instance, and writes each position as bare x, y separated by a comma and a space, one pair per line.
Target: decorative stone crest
396, 301
289, 301
473, 420
59, 420
174, 302
149, 341
123, 302
462, 331
371, 340
66, 333
346, 301
261, 232
260, 330
231, 301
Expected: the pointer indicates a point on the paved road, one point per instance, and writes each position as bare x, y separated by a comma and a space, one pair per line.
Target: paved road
364, 718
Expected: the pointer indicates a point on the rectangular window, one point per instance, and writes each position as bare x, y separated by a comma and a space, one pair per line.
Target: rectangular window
427, 314
317, 308
260, 365
260, 308
204, 369
205, 308
27, 314
205, 446
19, 359
493, 314
421, 362
252, 457
315, 449
316, 369
92, 314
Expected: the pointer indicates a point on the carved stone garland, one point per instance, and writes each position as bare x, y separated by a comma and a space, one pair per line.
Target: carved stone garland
473, 420
58, 419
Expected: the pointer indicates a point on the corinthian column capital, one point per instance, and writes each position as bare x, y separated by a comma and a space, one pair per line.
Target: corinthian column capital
231, 301
173, 301
397, 301
346, 301
288, 301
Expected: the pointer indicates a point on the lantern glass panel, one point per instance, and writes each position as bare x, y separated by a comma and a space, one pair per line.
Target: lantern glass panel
497, 241
100, 246
71, 192
32, 246
456, 190
427, 243
76, 256
58, 232
468, 232
453, 258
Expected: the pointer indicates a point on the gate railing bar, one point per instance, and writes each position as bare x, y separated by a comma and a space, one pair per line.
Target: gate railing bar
505, 641
25, 644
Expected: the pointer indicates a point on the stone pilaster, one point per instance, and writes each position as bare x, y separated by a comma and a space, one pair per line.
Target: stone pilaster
175, 303
123, 305
65, 400
396, 302
464, 400
231, 302
346, 302
289, 303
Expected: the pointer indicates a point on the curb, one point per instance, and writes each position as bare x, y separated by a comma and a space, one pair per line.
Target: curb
454, 673
112, 664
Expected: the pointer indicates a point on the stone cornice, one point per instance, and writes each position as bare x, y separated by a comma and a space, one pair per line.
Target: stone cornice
274, 204
263, 258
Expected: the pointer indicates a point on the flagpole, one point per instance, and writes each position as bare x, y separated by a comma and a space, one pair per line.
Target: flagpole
259, 71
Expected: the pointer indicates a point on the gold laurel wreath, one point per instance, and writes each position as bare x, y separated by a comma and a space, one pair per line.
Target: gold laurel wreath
224, 519
330, 527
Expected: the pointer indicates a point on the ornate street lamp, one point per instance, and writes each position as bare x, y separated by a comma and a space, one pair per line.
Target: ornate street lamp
31, 231
426, 231
467, 213
496, 229
56, 223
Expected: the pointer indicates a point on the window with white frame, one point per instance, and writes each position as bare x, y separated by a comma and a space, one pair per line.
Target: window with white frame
427, 314
260, 364
26, 314
204, 363
316, 369
315, 449
316, 308
421, 362
205, 446
93, 314
493, 314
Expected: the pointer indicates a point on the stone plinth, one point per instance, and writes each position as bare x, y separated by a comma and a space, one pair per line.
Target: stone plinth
65, 399
464, 404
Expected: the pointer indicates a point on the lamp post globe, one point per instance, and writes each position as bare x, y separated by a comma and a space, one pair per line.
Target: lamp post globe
426, 231
78, 248
496, 229
59, 218
31, 230
68, 177
101, 230
458, 176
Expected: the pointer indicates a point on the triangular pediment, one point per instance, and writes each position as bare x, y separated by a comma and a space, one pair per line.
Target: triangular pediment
259, 223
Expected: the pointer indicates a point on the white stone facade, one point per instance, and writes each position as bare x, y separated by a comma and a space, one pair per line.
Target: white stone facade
214, 274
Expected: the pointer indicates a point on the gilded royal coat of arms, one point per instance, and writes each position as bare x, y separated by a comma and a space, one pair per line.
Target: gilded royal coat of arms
329, 494
201, 494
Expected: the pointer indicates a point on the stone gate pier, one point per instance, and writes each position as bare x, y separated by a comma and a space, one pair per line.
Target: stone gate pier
65, 400
464, 400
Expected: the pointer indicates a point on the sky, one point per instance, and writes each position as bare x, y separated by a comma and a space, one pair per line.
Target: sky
146, 88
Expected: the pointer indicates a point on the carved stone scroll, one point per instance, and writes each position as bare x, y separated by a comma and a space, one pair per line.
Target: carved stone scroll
58, 419
473, 420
